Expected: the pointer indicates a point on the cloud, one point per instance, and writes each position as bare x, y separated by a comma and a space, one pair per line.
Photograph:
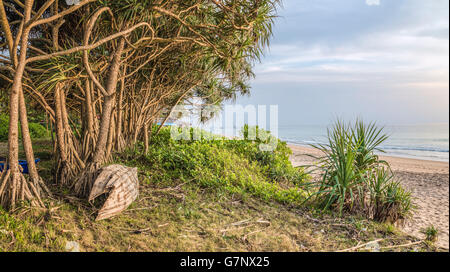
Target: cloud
388, 57
337, 57
373, 2
399, 48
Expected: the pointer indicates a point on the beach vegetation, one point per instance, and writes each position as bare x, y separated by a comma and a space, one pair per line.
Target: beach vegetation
354, 178
103, 72
431, 234
234, 166
177, 212
37, 131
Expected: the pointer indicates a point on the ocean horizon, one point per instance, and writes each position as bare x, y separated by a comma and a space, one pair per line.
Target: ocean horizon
421, 141
418, 141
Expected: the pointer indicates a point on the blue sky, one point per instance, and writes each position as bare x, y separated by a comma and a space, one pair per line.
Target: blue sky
383, 60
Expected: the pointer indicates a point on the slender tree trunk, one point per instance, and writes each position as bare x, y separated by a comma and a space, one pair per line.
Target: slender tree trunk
89, 136
28, 148
108, 105
84, 183
109, 143
146, 139
99, 153
62, 168
69, 162
13, 185
119, 139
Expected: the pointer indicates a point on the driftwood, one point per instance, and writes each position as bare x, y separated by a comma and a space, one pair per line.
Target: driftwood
122, 185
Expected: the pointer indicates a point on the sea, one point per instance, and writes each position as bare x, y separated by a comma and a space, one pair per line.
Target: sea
423, 141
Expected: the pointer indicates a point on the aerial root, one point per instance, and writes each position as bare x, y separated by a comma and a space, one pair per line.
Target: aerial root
15, 188
63, 173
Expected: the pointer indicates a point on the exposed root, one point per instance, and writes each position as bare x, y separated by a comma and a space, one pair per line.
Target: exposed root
120, 144
15, 189
67, 170
39, 184
89, 144
84, 183
63, 174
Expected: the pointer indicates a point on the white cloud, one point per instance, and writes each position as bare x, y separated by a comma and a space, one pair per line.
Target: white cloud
402, 56
373, 2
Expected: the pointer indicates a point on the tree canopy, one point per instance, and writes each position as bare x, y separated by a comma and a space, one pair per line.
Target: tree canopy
103, 72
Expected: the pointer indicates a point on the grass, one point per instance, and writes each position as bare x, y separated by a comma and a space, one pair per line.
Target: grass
178, 211
187, 218
431, 234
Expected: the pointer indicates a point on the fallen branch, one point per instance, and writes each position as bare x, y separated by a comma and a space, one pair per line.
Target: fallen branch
360, 246
247, 221
251, 233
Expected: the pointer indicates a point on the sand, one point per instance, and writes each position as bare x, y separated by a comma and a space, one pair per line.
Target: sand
428, 181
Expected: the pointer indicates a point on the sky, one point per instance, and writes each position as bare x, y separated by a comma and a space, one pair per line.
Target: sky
380, 60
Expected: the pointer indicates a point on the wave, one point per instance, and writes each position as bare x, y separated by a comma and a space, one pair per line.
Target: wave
386, 147
301, 142
416, 148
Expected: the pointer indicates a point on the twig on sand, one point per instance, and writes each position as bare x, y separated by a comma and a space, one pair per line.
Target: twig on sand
246, 224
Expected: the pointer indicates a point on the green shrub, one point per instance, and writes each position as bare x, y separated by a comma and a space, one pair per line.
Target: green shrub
276, 165
37, 131
4, 127
388, 200
340, 184
234, 166
431, 234
355, 179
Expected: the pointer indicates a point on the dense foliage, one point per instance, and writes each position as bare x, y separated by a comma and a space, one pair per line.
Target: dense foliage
235, 166
103, 72
37, 131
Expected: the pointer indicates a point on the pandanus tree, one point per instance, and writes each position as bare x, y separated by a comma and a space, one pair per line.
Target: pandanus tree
14, 187
105, 71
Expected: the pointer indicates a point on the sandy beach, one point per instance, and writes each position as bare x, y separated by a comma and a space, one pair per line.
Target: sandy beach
428, 181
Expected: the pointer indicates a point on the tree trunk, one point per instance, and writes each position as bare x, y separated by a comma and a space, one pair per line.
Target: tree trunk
13, 185
146, 146
28, 148
83, 184
109, 143
62, 173
108, 105
89, 136
120, 145
69, 163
